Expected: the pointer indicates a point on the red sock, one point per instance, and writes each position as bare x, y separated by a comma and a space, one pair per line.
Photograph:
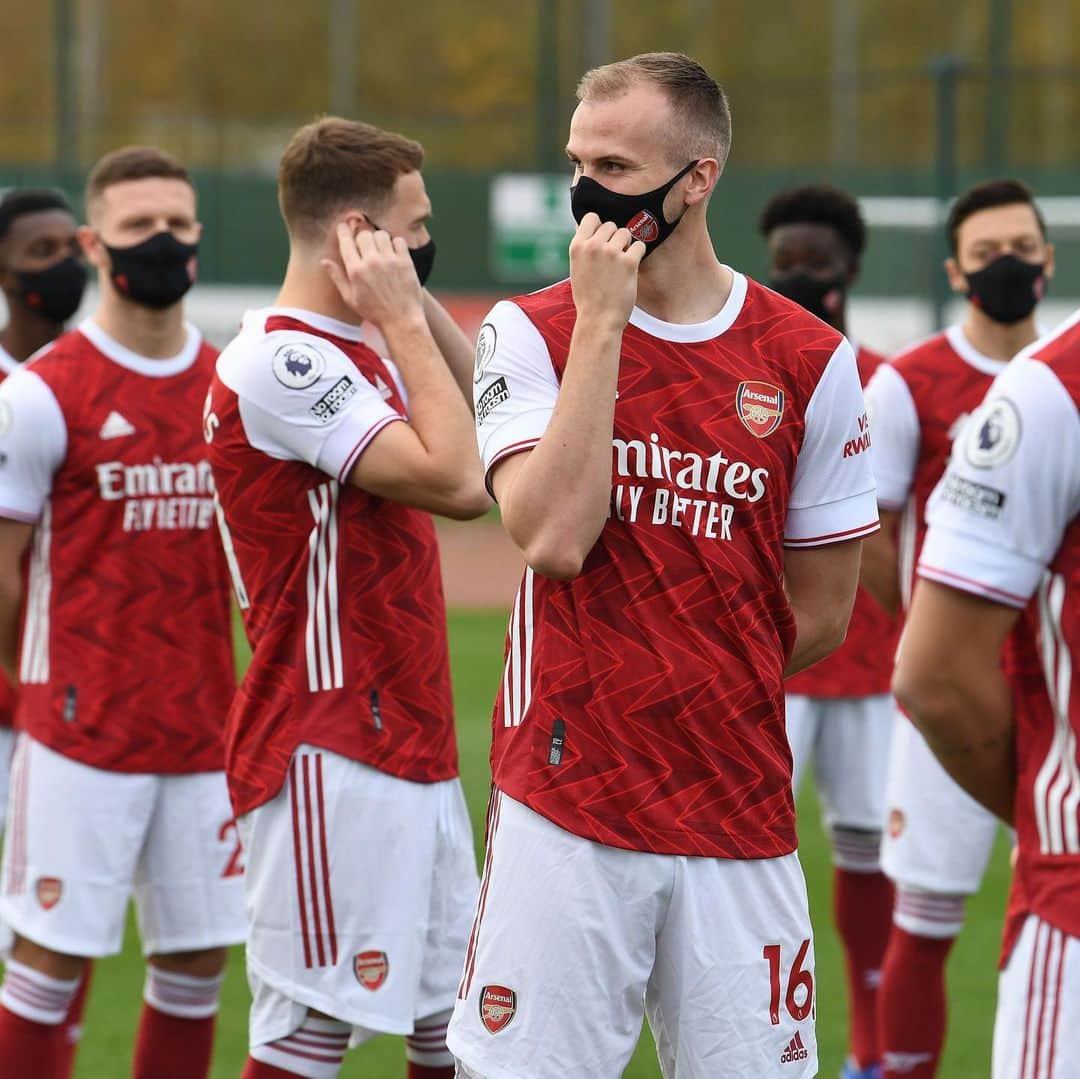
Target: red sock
28, 1048
911, 1004
418, 1071
862, 908
71, 1029
170, 1048
256, 1069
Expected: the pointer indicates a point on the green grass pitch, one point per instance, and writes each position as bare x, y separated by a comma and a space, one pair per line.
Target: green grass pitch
476, 645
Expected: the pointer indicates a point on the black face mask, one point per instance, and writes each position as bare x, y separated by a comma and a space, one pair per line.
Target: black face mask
821, 296
55, 292
642, 214
1008, 289
423, 257
156, 273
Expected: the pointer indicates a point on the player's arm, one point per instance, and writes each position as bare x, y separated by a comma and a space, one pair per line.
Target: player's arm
457, 350
831, 509
996, 520
14, 537
949, 680
431, 461
554, 498
33, 441
820, 583
879, 571
894, 427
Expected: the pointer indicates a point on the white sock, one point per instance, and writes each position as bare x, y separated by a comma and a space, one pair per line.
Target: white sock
855, 849
314, 1050
182, 995
36, 996
426, 1045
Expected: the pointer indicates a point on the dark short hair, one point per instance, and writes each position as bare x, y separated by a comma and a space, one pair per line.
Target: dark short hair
986, 196
29, 201
333, 164
702, 125
133, 163
817, 204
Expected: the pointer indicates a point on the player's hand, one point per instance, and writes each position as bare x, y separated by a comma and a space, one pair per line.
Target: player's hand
604, 263
376, 277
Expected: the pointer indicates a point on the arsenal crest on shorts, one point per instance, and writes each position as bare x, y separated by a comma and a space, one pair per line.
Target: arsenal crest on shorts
498, 1005
371, 969
760, 407
49, 890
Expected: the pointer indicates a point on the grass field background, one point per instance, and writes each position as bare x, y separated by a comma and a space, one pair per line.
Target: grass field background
476, 645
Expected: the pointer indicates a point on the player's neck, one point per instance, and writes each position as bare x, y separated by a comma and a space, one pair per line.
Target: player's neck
683, 281
22, 337
995, 340
155, 335
307, 286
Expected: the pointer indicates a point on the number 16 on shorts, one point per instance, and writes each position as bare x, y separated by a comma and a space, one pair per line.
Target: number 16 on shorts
791, 986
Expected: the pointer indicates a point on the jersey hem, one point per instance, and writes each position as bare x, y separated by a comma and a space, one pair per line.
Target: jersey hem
362, 444
507, 451
968, 584
834, 537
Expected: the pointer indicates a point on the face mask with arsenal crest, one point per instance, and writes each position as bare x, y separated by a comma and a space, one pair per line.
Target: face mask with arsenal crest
642, 214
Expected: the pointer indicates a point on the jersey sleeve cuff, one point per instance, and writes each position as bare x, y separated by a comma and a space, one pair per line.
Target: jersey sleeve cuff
24, 516
343, 448
835, 522
514, 436
970, 564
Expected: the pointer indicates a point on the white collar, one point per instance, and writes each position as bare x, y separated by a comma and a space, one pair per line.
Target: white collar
970, 354
143, 365
348, 330
691, 333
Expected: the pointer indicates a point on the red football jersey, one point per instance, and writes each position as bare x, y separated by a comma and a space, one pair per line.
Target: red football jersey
1005, 524
126, 659
919, 403
642, 701
341, 590
8, 364
862, 665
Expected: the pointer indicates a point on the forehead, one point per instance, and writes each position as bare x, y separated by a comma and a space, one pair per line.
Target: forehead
152, 195
411, 195
33, 226
808, 237
629, 125
998, 223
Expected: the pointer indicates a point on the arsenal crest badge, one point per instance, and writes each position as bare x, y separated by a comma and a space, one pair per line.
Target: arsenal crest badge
371, 969
49, 890
760, 407
498, 1005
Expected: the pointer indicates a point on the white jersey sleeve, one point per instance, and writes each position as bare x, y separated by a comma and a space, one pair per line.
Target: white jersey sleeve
999, 513
895, 427
302, 399
515, 386
832, 496
33, 443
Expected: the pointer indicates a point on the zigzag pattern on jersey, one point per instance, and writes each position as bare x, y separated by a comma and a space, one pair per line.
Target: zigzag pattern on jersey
132, 639
662, 662
368, 569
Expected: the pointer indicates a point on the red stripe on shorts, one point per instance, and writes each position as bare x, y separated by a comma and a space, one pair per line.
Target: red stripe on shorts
298, 862
332, 930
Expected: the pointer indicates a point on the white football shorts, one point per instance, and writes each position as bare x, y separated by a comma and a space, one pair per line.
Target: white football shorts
7, 750
81, 842
847, 741
938, 839
1038, 1011
573, 940
361, 889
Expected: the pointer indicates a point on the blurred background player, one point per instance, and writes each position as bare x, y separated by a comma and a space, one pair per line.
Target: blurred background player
1003, 552
43, 277
329, 462
839, 711
125, 662
938, 839
641, 844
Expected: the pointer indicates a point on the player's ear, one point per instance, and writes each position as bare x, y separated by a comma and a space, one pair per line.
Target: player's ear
957, 280
92, 246
1051, 261
703, 177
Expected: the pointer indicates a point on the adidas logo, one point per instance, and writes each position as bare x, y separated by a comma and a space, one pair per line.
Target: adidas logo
382, 387
115, 426
795, 1050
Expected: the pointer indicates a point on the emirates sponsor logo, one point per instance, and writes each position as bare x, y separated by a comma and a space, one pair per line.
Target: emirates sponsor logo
498, 1006
160, 494
371, 969
760, 406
